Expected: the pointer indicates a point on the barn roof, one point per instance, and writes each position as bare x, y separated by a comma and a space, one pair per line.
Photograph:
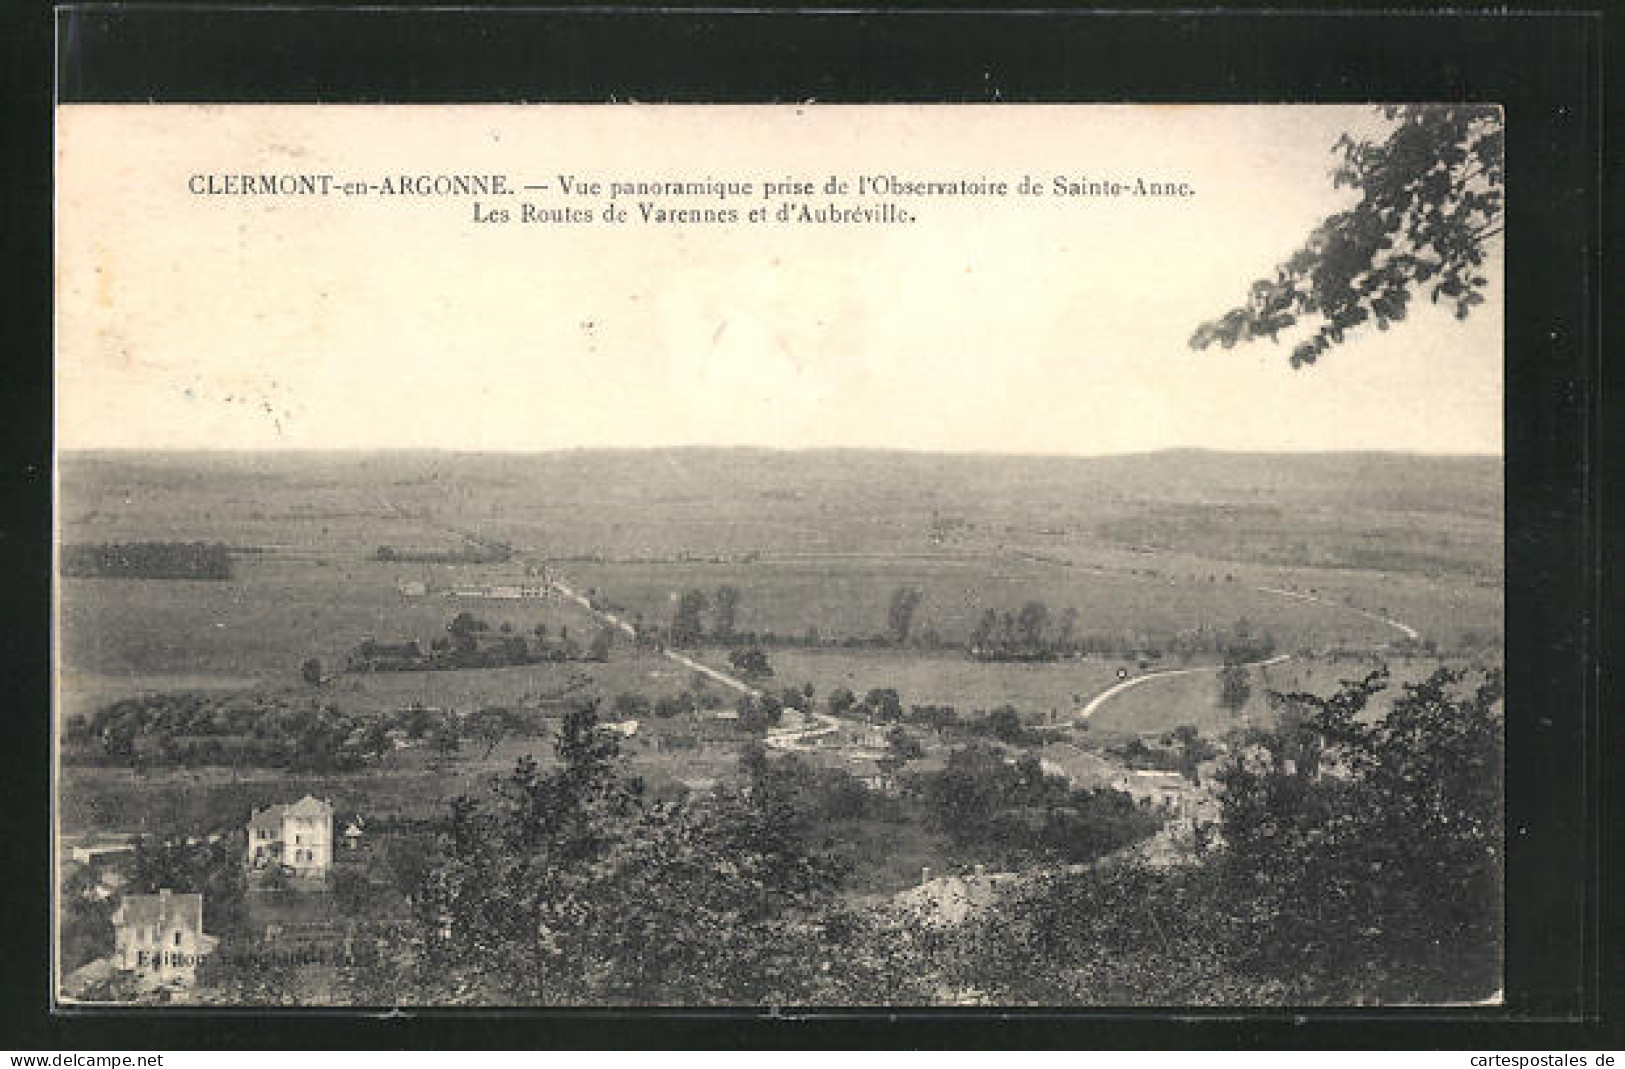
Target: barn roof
269, 817
272, 815
310, 806
166, 909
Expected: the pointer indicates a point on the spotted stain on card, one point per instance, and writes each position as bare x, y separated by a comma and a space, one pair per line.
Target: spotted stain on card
104, 278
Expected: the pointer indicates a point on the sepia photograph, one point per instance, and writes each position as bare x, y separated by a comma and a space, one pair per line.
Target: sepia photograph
794, 555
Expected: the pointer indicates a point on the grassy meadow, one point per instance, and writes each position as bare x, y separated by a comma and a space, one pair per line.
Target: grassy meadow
922, 678
1138, 546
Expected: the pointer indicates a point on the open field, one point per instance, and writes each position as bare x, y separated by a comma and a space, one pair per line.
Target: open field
1319, 553
1440, 607
1438, 512
1141, 547
848, 596
627, 671
831, 536
221, 799
1161, 705
948, 679
299, 510
414, 783
273, 614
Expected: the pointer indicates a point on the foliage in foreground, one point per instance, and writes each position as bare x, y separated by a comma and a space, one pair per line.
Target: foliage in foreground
571, 886
1360, 861
1430, 202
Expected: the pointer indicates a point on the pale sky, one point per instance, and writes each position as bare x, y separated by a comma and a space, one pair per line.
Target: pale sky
1035, 325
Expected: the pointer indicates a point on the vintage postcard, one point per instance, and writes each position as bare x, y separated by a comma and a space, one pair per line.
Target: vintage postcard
627, 555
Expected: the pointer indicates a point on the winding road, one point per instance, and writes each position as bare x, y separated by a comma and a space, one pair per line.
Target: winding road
799, 738
823, 724
610, 619
1406, 629
1111, 692
557, 583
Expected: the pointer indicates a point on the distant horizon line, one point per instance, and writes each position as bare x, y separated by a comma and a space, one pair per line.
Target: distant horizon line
787, 450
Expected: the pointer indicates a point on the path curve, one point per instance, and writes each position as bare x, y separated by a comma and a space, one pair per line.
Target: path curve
1406, 629
552, 579
801, 738
1111, 692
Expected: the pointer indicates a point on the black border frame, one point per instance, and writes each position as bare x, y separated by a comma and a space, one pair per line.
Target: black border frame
1546, 68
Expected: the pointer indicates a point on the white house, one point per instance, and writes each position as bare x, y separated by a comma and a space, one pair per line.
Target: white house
298, 836
1166, 790
160, 938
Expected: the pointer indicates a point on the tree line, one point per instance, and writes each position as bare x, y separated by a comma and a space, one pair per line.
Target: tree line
883, 705
149, 560
471, 642
266, 731
199, 729
483, 553
1031, 632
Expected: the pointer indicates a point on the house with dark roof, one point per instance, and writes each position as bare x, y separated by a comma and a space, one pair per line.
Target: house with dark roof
1080, 768
873, 773
160, 938
297, 836
1165, 790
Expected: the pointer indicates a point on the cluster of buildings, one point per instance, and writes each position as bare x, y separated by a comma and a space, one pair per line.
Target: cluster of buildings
499, 591
531, 589
158, 939
1186, 801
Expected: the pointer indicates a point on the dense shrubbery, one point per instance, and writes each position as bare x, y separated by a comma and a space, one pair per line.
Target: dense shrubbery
269, 731
1021, 814
149, 560
471, 642
213, 869
1031, 633
636, 706
199, 729
1339, 834
573, 886
751, 663
882, 705
1180, 750
85, 930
